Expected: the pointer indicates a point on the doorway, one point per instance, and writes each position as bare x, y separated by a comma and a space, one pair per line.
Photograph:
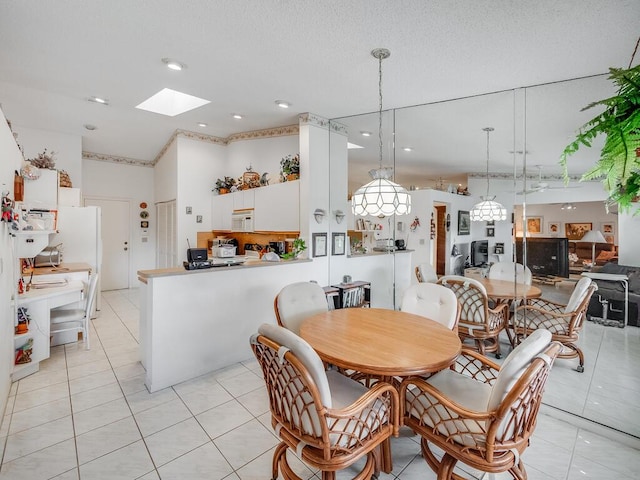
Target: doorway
115, 242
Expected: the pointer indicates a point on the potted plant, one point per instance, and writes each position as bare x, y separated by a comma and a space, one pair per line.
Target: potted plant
298, 247
619, 164
224, 185
290, 168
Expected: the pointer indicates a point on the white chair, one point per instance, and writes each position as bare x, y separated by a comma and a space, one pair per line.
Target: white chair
506, 270
426, 273
299, 301
327, 419
76, 319
478, 412
432, 301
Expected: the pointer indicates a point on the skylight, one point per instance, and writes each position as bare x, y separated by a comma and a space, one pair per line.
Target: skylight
171, 103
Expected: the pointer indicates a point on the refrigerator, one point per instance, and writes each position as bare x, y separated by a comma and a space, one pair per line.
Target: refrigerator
80, 233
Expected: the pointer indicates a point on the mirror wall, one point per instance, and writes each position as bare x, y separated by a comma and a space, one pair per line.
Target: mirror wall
433, 148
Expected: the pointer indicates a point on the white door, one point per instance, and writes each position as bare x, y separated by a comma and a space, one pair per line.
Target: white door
115, 242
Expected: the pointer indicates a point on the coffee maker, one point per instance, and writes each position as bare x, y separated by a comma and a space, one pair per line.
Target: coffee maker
277, 247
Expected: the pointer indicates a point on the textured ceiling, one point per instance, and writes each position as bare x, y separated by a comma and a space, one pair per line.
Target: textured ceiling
243, 55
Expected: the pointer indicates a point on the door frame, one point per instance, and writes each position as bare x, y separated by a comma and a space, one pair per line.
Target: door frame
128, 200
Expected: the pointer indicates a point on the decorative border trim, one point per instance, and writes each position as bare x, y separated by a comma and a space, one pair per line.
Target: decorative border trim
509, 176
265, 133
318, 121
115, 159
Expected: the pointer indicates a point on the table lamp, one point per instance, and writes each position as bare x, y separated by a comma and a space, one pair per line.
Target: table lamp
593, 236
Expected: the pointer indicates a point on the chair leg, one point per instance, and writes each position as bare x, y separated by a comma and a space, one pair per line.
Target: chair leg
277, 455
518, 472
447, 464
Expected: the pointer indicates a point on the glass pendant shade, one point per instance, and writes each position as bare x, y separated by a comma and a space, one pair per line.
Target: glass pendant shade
487, 210
381, 197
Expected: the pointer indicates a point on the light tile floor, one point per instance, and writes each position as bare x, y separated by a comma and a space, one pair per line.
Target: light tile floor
87, 415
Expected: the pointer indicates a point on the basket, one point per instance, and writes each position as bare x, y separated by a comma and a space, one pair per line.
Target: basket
64, 179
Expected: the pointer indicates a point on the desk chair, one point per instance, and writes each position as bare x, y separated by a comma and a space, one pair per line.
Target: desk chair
426, 273
299, 301
480, 413
329, 420
65, 320
432, 301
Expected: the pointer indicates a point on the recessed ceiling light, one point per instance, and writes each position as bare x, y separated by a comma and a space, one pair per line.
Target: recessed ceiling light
100, 100
237, 116
202, 124
171, 102
283, 104
88, 126
408, 149
174, 64
351, 146
365, 134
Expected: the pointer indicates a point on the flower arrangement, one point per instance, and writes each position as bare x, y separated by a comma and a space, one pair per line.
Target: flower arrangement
298, 247
44, 160
290, 168
224, 185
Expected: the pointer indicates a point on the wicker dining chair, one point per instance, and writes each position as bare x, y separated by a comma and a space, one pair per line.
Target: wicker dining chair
477, 322
432, 301
480, 413
327, 419
426, 273
298, 301
563, 321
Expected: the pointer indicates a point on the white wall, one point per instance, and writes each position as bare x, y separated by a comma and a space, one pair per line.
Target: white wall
165, 173
67, 148
11, 160
126, 182
198, 165
629, 228
262, 154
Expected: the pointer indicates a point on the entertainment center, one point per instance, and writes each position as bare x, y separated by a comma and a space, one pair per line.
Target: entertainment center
545, 256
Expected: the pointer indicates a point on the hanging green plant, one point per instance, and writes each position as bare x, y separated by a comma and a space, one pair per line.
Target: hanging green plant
619, 164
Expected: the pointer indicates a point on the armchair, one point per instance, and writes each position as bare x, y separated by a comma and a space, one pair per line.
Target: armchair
298, 301
477, 322
479, 413
329, 420
563, 321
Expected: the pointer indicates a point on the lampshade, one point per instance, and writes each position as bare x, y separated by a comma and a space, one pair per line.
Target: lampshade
593, 236
381, 196
488, 209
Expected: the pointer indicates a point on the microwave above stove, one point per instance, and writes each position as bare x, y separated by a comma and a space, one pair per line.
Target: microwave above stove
242, 220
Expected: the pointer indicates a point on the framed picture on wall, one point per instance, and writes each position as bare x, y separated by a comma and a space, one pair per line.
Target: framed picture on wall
608, 228
554, 228
491, 231
319, 244
534, 225
337, 243
575, 231
464, 222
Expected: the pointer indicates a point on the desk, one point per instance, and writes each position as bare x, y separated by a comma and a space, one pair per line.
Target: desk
381, 342
614, 277
39, 302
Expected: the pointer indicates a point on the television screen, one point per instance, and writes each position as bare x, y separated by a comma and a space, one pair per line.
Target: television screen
545, 256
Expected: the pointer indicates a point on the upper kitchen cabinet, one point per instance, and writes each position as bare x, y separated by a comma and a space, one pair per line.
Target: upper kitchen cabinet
277, 207
243, 199
221, 209
42, 193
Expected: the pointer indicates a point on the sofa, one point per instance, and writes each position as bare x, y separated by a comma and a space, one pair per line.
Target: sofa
605, 252
614, 292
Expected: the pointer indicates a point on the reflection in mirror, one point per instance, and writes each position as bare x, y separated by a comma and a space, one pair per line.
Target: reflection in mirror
440, 148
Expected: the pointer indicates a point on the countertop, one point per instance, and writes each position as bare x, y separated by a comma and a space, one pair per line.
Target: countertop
144, 275
371, 254
63, 268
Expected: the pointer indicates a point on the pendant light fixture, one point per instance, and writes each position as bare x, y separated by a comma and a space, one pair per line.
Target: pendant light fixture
381, 197
488, 209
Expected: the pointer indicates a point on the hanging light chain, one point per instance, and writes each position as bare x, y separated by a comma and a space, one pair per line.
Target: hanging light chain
488, 130
380, 109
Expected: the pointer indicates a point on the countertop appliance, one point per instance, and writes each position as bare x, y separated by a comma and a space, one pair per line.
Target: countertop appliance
400, 245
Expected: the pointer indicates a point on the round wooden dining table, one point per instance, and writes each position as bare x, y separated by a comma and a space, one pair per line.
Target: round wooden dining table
502, 290
381, 342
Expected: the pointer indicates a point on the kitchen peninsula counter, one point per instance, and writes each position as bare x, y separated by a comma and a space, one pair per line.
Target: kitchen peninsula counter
144, 275
193, 322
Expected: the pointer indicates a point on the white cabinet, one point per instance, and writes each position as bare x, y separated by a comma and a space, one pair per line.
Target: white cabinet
221, 210
43, 192
243, 199
277, 207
